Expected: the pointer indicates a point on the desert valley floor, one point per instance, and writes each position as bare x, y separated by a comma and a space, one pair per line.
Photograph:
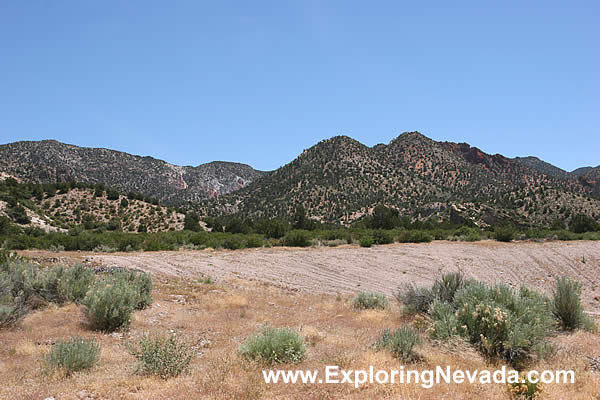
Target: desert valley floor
307, 289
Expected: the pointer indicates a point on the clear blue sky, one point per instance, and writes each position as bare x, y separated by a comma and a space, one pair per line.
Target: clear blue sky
258, 82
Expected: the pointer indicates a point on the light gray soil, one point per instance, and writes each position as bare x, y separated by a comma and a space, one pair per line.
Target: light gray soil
349, 269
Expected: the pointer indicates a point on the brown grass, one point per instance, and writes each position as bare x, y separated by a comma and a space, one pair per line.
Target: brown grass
217, 318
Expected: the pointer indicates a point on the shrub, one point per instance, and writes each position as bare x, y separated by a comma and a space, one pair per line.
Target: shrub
446, 287
399, 342
254, 241
525, 389
233, 243
141, 282
504, 233
76, 282
369, 301
414, 237
502, 322
414, 299
581, 223
164, 356
109, 305
273, 345
566, 304
382, 237
445, 323
73, 355
366, 241
464, 233
10, 314
297, 238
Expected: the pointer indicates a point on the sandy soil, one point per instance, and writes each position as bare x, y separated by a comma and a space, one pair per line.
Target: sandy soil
383, 268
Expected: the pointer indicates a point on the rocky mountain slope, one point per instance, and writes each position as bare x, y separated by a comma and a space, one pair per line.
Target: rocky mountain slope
340, 179
57, 208
543, 167
591, 179
49, 161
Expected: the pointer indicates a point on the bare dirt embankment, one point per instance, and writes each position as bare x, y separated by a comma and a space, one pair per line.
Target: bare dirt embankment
383, 268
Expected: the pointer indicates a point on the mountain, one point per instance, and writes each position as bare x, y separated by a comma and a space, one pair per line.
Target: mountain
582, 171
591, 179
340, 179
543, 167
49, 161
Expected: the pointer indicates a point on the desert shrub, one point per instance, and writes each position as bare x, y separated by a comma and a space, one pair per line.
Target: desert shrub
297, 238
76, 282
370, 301
467, 234
566, 305
48, 284
581, 223
504, 233
502, 322
400, 342
445, 324
414, 237
9, 256
414, 299
447, 285
254, 241
109, 304
273, 345
10, 314
141, 282
75, 354
382, 237
525, 389
233, 243
18, 279
365, 241
164, 356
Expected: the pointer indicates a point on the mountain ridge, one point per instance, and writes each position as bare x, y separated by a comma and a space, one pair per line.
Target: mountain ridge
341, 179
51, 161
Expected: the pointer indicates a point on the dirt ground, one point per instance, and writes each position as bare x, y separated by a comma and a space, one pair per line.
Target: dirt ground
348, 269
294, 288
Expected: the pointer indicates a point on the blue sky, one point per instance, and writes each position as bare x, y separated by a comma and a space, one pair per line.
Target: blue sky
259, 81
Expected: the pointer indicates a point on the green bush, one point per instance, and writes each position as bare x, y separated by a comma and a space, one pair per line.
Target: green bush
501, 322
445, 324
273, 345
414, 237
254, 241
399, 342
76, 282
75, 354
504, 233
446, 287
525, 389
566, 305
10, 314
365, 241
414, 299
164, 356
141, 282
297, 238
109, 304
370, 301
382, 237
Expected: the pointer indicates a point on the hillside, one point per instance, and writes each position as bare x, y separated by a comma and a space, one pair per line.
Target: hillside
49, 161
340, 179
53, 209
591, 180
543, 167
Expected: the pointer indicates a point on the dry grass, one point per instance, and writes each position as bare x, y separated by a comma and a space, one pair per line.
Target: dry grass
217, 318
